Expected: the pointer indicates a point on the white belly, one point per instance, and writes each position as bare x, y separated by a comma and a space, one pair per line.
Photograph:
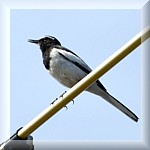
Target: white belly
64, 71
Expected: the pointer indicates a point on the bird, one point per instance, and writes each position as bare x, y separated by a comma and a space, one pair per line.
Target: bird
68, 69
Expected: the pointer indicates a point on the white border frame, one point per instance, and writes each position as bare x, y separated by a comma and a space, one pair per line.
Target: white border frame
5, 7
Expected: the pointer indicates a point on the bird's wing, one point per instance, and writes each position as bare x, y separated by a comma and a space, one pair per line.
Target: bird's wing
74, 58
77, 61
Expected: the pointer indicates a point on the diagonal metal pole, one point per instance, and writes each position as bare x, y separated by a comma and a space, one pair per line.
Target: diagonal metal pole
84, 83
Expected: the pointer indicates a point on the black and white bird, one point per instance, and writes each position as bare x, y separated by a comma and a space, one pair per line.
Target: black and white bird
68, 68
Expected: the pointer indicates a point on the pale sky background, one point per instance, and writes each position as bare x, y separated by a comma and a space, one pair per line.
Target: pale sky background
94, 35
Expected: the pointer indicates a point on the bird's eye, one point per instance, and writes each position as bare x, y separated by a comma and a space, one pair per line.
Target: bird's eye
46, 39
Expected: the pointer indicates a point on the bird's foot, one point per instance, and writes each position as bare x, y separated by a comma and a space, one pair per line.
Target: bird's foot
61, 96
66, 107
54, 101
73, 102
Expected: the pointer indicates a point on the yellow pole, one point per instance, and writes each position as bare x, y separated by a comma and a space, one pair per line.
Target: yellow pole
84, 83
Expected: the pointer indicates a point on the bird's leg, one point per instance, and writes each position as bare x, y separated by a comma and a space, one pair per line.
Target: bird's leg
61, 96
54, 101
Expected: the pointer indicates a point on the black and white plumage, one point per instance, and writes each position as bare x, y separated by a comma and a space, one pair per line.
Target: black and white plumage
68, 68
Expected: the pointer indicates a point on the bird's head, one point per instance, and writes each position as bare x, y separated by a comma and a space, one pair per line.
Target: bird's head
45, 42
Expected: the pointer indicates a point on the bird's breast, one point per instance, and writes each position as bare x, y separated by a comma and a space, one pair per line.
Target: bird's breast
63, 70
